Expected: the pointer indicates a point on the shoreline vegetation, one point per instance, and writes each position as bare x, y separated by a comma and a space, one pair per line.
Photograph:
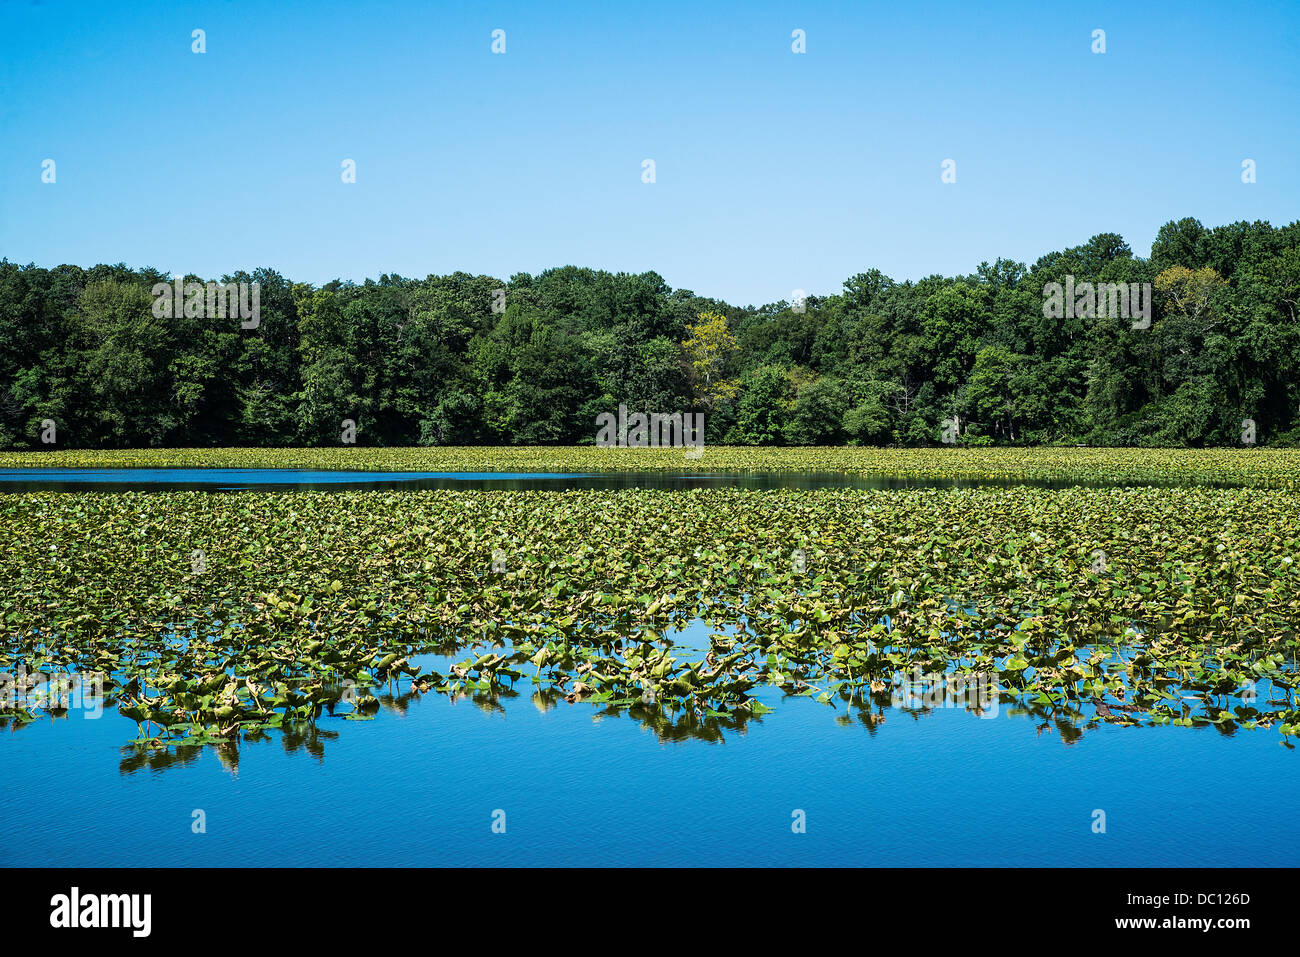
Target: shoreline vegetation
1228, 466
1060, 352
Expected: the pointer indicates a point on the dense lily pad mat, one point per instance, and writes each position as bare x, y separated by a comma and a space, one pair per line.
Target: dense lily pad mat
216, 616
1245, 466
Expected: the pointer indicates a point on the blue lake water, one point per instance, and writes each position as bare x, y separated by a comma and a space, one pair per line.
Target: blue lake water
579, 784
125, 479
225, 480
419, 785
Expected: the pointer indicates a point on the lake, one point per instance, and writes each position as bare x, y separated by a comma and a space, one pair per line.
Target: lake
419, 785
268, 479
426, 780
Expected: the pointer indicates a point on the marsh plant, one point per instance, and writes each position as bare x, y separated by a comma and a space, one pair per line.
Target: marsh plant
326, 600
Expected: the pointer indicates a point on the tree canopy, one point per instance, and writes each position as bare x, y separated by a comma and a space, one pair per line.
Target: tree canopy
461, 359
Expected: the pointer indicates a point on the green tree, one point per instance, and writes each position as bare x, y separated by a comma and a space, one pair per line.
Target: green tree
763, 409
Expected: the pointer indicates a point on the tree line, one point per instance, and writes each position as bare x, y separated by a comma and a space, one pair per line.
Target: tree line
986, 358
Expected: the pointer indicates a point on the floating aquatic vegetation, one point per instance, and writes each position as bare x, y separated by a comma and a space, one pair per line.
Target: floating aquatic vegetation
1081, 606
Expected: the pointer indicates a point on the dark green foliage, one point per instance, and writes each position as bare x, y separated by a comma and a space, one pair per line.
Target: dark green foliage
448, 361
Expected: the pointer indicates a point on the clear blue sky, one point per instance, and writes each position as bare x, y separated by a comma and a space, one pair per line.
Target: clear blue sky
775, 171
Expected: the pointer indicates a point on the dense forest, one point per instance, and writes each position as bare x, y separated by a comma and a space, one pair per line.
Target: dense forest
463, 359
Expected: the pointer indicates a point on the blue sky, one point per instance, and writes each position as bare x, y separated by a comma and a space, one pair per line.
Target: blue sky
774, 171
